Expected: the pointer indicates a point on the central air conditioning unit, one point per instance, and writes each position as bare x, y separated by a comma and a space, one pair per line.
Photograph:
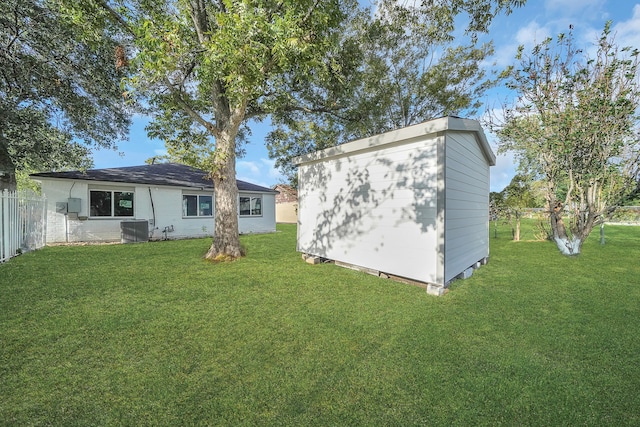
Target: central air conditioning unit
134, 231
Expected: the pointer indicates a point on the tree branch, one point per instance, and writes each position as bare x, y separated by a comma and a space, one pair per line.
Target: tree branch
310, 12
300, 108
198, 13
190, 111
116, 16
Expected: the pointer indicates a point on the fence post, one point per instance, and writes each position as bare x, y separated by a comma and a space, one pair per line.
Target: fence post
2, 224
5, 230
13, 224
43, 220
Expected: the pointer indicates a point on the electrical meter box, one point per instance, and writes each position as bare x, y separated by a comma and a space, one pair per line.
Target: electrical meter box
73, 205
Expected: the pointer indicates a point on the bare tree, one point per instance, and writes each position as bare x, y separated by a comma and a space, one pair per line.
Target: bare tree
574, 124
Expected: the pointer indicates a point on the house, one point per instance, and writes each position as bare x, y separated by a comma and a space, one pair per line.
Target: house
139, 203
286, 204
412, 203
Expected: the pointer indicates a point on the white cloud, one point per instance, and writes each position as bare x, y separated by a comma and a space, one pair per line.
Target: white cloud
261, 172
505, 167
528, 36
272, 172
503, 55
624, 33
251, 168
532, 34
502, 172
627, 33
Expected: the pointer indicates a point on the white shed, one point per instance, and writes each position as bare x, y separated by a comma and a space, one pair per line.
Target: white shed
411, 203
148, 202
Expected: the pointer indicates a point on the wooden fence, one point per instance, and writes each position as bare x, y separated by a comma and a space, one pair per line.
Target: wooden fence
23, 219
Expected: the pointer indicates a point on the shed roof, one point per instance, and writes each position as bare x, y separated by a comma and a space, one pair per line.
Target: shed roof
449, 123
171, 174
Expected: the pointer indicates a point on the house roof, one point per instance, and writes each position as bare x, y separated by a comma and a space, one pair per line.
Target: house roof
285, 188
171, 174
448, 123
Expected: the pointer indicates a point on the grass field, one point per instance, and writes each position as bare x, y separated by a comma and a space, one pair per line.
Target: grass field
150, 334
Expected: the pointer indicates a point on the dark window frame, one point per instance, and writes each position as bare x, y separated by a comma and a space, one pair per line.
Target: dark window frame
190, 210
254, 208
112, 204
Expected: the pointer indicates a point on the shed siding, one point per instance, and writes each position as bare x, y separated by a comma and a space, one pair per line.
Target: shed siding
411, 202
374, 208
467, 203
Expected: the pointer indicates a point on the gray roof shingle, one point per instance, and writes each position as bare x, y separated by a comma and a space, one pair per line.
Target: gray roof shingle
172, 174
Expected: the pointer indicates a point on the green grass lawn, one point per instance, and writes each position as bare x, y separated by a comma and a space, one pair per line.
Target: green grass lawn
150, 334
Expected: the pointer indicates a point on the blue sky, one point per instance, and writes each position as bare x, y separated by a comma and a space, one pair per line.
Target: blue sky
534, 22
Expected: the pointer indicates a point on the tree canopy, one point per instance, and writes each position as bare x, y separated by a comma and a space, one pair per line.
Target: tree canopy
516, 197
59, 89
401, 65
574, 124
205, 68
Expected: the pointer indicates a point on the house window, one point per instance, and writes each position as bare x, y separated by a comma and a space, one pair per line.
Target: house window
109, 203
193, 205
250, 205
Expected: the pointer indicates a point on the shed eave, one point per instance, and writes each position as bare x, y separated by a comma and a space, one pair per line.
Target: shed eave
421, 129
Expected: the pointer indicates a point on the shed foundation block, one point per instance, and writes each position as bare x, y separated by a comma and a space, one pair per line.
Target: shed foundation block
465, 274
436, 290
310, 259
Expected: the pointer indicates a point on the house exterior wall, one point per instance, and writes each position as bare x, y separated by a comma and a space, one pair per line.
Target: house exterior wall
287, 212
266, 223
375, 208
165, 201
286, 204
466, 204
59, 228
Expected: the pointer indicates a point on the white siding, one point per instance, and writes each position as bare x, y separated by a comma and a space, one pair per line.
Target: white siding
375, 209
59, 227
466, 203
411, 202
266, 223
167, 205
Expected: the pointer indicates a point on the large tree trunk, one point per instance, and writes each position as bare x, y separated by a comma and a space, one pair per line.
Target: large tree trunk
226, 241
567, 244
7, 170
